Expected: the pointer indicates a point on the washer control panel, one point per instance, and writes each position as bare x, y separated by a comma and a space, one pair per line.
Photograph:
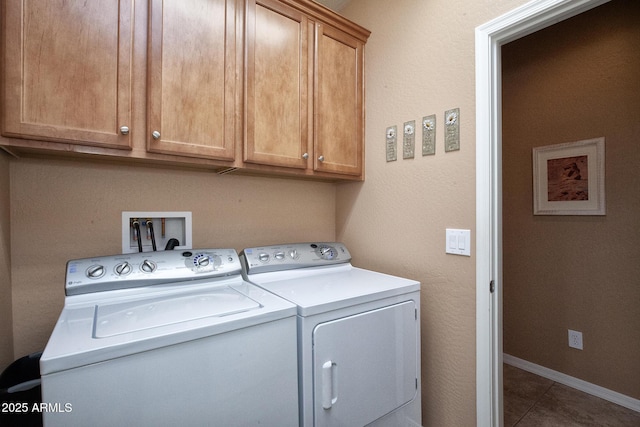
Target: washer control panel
148, 268
294, 255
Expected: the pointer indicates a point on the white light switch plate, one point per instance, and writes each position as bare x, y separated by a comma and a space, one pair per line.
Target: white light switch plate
458, 242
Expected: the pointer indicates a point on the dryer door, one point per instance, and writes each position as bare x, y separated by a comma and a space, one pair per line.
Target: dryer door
365, 365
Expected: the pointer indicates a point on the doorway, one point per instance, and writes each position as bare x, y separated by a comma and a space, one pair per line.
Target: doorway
490, 37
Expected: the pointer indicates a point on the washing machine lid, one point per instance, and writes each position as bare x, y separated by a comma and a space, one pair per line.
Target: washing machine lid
117, 318
318, 290
130, 321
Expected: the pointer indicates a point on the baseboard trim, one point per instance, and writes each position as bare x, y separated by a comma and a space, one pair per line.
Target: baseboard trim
595, 390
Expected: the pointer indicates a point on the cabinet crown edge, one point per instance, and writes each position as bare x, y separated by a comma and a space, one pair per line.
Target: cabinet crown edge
330, 17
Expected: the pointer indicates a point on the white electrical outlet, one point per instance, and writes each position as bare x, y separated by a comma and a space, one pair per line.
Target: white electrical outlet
575, 339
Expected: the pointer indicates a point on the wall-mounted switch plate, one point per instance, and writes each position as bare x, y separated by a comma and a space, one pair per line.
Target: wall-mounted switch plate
458, 242
162, 226
391, 139
409, 140
452, 130
429, 135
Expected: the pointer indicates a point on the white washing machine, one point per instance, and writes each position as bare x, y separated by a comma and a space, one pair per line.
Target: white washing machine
358, 334
169, 338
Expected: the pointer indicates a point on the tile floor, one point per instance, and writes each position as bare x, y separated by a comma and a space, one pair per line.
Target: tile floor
533, 401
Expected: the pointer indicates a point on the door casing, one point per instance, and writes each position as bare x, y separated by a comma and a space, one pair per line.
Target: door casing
489, 38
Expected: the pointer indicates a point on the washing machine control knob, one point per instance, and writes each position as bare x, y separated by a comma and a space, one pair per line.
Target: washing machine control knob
279, 255
293, 253
207, 262
148, 266
122, 269
203, 261
96, 271
327, 252
263, 257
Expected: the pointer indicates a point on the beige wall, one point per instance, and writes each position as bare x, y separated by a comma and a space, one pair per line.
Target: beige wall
62, 210
577, 80
6, 335
420, 60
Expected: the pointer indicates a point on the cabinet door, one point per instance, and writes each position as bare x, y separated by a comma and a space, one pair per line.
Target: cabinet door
276, 113
67, 74
339, 112
365, 365
191, 86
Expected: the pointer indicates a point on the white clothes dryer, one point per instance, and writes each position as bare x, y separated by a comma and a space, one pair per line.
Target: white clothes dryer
358, 334
169, 338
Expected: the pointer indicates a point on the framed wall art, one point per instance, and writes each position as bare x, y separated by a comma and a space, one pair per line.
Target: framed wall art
568, 179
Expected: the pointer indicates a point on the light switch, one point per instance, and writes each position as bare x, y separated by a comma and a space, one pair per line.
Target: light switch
458, 242
453, 242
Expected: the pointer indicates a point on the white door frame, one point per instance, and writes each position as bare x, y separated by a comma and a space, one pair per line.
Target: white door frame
518, 23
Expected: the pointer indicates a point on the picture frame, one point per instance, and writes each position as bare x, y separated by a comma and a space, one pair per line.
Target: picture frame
568, 178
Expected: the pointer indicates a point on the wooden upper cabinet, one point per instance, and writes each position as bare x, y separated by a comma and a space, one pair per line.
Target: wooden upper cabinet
67, 71
339, 95
192, 78
277, 85
304, 89
274, 86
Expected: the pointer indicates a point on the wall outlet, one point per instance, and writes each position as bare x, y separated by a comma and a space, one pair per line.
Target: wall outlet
575, 339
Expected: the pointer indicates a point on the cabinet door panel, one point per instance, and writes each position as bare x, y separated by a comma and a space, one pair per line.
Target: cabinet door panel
68, 71
192, 78
339, 113
276, 84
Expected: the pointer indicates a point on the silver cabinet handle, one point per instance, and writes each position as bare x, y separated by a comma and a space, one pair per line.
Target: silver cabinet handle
321, 159
124, 130
155, 134
305, 156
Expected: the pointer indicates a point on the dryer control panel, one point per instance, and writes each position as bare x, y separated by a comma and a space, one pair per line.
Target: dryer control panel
293, 255
112, 272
